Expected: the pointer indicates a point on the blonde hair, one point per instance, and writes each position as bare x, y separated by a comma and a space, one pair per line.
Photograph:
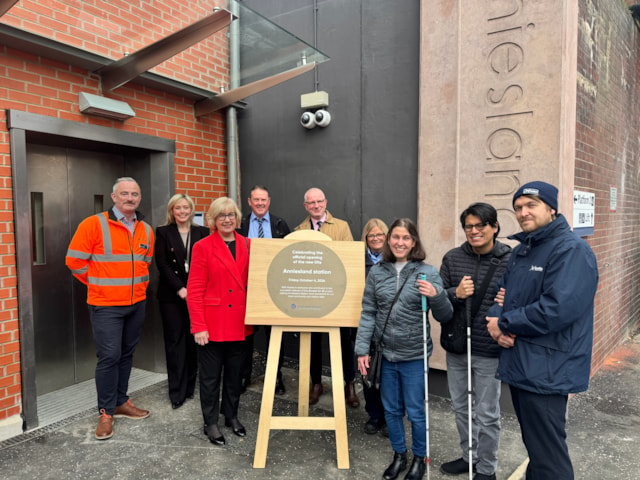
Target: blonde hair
370, 225
218, 206
172, 203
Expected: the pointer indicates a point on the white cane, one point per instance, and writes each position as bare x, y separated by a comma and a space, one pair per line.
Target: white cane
467, 307
426, 372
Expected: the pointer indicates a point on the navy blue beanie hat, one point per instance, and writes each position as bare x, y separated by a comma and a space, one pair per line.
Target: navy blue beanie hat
546, 192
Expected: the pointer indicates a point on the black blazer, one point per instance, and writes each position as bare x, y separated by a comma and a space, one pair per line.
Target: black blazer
279, 228
170, 256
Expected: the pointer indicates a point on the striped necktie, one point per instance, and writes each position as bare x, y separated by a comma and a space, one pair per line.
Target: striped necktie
260, 230
319, 224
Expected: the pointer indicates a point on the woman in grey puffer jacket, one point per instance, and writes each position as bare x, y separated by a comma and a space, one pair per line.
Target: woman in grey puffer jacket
402, 378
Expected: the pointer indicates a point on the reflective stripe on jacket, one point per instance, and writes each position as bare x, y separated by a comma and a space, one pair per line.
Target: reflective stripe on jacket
113, 263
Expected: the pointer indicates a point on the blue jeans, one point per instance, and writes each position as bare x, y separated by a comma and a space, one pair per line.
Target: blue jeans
485, 404
402, 389
116, 333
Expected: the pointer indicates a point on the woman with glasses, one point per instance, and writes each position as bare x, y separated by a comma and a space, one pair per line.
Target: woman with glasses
173, 251
374, 235
217, 303
392, 313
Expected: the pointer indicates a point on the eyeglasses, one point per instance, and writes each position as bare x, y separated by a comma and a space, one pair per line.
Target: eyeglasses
222, 216
372, 236
316, 202
477, 226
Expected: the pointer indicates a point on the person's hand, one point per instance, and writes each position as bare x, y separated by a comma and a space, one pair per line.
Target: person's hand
201, 338
427, 289
182, 293
500, 297
363, 364
504, 340
465, 288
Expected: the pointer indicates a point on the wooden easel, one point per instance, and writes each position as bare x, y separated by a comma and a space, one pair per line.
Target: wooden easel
303, 421
261, 310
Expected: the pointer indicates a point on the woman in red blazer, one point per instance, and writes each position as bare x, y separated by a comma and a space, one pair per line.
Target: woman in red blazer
217, 288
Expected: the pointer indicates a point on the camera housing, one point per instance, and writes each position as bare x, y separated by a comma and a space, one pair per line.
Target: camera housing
308, 120
322, 118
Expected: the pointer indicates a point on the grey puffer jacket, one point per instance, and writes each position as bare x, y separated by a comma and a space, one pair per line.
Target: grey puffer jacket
402, 339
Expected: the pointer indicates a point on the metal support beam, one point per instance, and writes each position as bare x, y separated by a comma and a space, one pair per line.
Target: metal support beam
127, 68
5, 5
225, 99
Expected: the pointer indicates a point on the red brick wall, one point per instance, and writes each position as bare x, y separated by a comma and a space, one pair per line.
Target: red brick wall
608, 154
45, 87
113, 28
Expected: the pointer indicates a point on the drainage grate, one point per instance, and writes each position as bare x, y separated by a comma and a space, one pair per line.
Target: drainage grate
54, 412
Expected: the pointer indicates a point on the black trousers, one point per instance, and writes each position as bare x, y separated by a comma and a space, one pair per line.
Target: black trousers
180, 350
348, 361
247, 368
543, 426
220, 365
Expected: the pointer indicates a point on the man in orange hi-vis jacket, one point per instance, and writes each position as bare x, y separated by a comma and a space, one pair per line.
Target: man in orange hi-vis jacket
110, 253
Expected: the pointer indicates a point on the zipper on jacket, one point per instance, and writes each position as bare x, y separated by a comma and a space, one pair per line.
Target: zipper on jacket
133, 263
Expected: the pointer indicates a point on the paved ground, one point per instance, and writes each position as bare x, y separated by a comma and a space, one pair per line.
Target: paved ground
603, 433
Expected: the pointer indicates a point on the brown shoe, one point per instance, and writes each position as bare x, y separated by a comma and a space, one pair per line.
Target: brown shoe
350, 395
105, 426
128, 410
314, 394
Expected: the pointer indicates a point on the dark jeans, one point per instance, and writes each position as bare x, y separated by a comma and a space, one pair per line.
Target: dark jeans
180, 350
116, 333
373, 402
542, 424
348, 362
220, 365
247, 367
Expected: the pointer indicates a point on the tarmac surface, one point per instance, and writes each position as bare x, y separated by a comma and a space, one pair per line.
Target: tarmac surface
603, 434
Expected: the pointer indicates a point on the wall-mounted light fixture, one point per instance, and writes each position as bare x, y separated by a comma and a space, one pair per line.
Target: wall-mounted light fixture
104, 107
315, 113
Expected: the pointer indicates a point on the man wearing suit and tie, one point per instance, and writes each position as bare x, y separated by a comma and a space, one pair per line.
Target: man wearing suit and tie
260, 223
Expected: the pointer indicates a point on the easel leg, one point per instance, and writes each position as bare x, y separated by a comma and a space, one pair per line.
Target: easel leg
304, 374
339, 408
268, 392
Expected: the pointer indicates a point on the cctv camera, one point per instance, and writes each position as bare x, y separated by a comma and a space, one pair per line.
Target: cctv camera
307, 120
323, 118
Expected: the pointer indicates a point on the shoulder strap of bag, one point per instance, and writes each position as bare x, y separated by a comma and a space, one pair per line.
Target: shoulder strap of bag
477, 298
393, 303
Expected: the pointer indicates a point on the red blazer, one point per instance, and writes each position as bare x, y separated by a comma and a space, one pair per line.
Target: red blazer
217, 289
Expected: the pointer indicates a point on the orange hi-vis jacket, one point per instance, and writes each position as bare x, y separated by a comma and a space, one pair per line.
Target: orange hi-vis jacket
113, 263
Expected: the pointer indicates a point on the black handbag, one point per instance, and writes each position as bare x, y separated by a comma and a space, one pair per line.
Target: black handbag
372, 379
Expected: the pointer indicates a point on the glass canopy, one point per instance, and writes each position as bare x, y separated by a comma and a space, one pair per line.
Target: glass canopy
265, 49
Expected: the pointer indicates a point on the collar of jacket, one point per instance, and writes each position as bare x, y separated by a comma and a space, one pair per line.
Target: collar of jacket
112, 216
499, 250
552, 229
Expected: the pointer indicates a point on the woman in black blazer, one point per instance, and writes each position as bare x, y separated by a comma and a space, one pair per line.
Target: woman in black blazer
174, 244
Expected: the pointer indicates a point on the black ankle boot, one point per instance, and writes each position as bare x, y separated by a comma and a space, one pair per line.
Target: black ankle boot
399, 464
416, 472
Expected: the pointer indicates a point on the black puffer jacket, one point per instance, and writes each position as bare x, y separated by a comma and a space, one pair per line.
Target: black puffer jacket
462, 261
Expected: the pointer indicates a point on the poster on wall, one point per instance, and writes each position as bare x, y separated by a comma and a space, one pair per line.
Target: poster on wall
584, 208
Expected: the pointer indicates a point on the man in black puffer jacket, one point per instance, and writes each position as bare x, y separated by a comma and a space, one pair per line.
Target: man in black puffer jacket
470, 274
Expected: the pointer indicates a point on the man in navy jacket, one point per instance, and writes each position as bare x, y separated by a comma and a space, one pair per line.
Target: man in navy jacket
545, 326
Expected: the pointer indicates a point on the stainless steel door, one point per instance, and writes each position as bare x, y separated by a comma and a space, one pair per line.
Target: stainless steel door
65, 187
